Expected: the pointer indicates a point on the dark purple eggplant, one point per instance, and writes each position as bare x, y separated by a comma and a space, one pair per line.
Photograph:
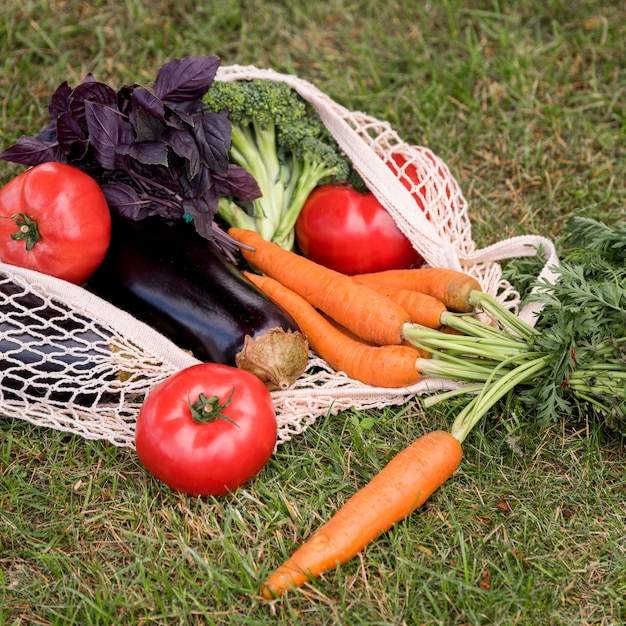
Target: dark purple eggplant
170, 277
40, 344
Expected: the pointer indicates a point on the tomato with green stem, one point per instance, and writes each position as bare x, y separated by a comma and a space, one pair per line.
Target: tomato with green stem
206, 430
54, 219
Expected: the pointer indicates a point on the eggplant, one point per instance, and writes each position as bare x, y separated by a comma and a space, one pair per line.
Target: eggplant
170, 277
40, 343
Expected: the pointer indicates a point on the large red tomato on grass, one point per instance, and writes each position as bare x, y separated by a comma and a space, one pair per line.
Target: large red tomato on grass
351, 232
207, 429
54, 218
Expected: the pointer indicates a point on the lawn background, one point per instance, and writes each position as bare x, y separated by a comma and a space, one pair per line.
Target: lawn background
524, 100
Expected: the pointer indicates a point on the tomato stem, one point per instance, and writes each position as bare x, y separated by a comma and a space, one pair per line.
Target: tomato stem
27, 230
205, 410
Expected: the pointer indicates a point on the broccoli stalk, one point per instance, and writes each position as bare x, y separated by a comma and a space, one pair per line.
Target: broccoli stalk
315, 162
279, 139
254, 149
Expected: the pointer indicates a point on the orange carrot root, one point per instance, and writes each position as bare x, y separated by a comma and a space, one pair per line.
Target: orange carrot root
449, 286
369, 315
391, 366
404, 484
422, 308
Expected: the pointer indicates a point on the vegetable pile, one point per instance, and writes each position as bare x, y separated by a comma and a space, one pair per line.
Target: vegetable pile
237, 232
121, 175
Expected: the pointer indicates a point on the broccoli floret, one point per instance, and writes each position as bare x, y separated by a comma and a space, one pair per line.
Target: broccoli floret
279, 138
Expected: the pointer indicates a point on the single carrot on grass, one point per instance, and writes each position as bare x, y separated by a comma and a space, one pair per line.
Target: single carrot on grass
369, 315
405, 483
422, 309
389, 366
451, 287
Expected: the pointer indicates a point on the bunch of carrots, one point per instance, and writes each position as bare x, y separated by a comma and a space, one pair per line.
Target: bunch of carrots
361, 325
572, 361
358, 324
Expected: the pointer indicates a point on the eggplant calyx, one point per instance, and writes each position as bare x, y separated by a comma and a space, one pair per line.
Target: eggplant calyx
278, 357
28, 230
205, 410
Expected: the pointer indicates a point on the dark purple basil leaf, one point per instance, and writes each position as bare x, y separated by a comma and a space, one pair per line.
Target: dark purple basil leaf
125, 99
107, 130
239, 184
185, 146
69, 132
185, 79
203, 209
177, 173
186, 109
33, 151
60, 100
151, 176
211, 198
166, 209
196, 186
145, 126
194, 206
48, 133
149, 102
93, 92
161, 195
200, 211
125, 201
176, 117
181, 115
212, 132
204, 224
148, 152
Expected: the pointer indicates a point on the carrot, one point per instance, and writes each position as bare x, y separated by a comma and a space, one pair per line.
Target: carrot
369, 315
423, 354
351, 335
390, 366
422, 309
449, 286
405, 483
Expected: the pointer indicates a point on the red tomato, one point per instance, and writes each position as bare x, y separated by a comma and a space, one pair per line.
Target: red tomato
54, 219
411, 179
213, 451
351, 232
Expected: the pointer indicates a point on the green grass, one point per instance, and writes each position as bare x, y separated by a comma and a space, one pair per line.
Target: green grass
525, 102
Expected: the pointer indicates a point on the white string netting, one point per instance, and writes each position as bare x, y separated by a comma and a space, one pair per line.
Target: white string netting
73, 362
